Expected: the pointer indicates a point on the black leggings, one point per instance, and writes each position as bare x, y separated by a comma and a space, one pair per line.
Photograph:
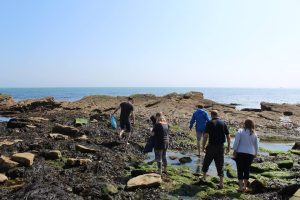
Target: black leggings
215, 153
243, 163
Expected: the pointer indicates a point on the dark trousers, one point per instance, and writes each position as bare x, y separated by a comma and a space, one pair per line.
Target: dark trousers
161, 157
215, 153
243, 163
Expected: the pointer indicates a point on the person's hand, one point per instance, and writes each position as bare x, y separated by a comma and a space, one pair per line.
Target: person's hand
204, 149
234, 154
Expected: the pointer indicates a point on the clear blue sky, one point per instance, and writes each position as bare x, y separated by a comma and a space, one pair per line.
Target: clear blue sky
211, 43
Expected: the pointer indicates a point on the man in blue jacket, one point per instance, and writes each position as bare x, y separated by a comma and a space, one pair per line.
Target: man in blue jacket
201, 117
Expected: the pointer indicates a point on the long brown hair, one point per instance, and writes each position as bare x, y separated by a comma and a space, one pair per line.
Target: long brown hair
249, 125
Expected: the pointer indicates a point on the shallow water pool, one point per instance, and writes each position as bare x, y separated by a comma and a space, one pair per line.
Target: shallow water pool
4, 119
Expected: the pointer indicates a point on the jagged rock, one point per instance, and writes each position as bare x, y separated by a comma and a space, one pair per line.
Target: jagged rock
66, 130
184, 160
285, 164
7, 164
296, 145
30, 122
76, 162
58, 136
25, 159
3, 178
84, 149
146, 180
53, 155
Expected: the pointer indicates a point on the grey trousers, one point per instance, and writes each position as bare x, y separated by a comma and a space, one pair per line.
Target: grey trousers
161, 157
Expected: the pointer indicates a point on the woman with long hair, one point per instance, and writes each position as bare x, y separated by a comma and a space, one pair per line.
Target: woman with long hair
161, 142
245, 149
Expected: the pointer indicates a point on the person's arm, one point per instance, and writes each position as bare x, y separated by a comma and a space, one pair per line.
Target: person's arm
116, 110
207, 118
192, 121
228, 138
133, 117
256, 146
205, 137
236, 143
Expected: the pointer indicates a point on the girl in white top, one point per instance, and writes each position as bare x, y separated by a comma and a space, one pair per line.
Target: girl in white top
245, 149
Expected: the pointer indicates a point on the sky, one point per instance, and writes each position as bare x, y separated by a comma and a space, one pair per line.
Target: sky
134, 43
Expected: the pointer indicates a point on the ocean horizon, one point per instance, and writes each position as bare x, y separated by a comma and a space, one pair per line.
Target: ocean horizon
245, 97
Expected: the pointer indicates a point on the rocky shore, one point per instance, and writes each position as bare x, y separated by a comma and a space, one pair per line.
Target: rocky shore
67, 150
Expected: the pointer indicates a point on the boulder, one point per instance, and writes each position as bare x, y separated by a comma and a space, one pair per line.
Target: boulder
53, 155
287, 113
285, 164
3, 178
66, 130
80, 121
184, 160
25, 159
58, 136
263, 167
144, 181
84, 149
7, 164
296, 146
76, 162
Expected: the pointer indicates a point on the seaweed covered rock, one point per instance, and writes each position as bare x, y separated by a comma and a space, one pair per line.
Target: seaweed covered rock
296, 146
184, 160
279, 174
285, 164
52, 155
263, 167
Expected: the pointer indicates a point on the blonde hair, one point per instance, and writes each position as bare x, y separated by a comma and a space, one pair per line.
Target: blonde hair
160, 117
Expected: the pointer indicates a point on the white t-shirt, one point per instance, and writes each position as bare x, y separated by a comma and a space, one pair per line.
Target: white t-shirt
245, 142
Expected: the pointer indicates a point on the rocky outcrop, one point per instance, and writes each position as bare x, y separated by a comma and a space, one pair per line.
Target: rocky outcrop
5, 101
66, 130
33, 104
25, 159
286, 109
146, 180
30, 122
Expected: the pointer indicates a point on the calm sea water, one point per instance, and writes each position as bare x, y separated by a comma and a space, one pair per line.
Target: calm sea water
249, 98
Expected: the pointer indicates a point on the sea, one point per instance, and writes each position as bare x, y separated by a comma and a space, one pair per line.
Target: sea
244, 97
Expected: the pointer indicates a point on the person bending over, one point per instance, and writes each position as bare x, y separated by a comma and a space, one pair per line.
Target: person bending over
127, 112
